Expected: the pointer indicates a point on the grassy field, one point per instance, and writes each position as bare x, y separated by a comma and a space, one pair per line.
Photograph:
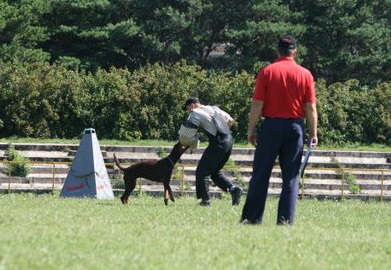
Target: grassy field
48, 232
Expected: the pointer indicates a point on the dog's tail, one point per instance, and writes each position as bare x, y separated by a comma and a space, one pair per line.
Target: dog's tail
117, 162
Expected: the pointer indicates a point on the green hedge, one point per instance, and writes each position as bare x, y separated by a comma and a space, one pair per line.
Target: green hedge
52, 102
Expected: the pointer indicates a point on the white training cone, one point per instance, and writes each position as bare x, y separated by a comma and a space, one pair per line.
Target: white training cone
88, 175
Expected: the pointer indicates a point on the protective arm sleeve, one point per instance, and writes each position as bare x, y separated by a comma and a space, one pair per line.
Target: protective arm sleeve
188, 135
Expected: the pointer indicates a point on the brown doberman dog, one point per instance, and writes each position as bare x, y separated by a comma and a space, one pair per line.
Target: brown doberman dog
155, 170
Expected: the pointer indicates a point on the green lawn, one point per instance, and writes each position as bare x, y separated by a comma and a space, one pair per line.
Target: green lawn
48, 232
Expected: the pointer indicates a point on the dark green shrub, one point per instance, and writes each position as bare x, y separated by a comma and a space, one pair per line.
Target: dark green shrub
18, 167
349, 178
353, 186
44, 101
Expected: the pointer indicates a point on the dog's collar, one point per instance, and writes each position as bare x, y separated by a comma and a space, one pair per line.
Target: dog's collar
172, 162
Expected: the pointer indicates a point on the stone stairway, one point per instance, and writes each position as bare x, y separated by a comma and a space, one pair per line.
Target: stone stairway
329, 174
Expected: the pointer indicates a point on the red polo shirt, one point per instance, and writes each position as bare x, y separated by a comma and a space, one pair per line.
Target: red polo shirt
284, 87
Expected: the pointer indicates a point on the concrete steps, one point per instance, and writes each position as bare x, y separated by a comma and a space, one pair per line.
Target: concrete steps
329, 173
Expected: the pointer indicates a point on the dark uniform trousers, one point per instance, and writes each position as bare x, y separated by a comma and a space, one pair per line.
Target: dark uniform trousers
283, 138
212, 161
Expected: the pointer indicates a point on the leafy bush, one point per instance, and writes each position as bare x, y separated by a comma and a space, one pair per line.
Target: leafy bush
18, 166
353, 186
44, 101
349, 178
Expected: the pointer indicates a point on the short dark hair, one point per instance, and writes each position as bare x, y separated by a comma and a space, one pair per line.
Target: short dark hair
287, 45
189, 101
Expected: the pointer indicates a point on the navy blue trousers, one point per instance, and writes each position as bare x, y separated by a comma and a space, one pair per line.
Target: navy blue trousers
212, 161
282, 138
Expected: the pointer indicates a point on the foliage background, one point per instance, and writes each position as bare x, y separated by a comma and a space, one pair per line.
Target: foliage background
45, 101
125, 66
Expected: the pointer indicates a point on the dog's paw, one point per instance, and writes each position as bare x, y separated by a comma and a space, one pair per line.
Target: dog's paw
124, 200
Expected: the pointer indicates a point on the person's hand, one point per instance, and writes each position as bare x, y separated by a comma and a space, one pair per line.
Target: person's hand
252, 137
313, 142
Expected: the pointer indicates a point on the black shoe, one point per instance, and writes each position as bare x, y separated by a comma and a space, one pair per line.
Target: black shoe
236, 193
204, 203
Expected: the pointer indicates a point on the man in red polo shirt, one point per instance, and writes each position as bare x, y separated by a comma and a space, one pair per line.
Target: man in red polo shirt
284, 94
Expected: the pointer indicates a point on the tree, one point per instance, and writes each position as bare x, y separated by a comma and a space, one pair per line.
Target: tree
81, 31
347, 39
21, 31
254, 38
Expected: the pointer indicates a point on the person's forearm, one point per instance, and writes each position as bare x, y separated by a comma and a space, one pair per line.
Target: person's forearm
255, 113
312, 119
